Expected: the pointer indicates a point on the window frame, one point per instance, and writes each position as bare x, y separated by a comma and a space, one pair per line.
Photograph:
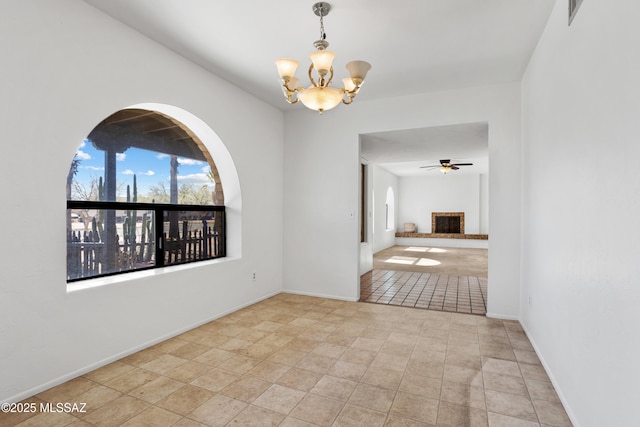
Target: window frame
160, 244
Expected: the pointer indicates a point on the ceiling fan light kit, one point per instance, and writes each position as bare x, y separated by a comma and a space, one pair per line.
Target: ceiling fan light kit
320, 96
446, 166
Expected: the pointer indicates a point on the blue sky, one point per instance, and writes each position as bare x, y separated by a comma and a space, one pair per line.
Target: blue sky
149, 167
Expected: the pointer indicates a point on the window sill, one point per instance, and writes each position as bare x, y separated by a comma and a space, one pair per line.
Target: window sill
135, 275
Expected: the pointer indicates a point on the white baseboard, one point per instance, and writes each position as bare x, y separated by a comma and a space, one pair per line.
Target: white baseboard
545, 366
502, 316
313, 294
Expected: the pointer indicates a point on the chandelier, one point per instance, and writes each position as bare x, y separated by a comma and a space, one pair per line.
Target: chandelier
320, 96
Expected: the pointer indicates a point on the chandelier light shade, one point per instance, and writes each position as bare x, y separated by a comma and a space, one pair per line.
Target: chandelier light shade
320, 96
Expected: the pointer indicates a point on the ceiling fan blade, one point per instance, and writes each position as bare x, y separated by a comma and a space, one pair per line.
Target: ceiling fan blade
432, 166
462, 164
454, 167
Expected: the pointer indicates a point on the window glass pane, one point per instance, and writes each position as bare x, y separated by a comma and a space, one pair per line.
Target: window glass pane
192, 236
106, 241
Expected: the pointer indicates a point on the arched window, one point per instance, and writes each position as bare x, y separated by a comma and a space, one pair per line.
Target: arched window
142, 192
390, 220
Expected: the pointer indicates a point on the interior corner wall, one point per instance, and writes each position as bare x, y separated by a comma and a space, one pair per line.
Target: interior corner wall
321, 185
382, 181
65, 67
420, 196
581, 191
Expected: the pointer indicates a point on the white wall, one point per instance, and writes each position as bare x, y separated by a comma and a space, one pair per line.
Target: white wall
382, 181
420, 196
321, 185
65, 67
581, 204
484, 204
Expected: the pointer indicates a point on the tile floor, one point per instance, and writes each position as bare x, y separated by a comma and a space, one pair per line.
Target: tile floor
462, 294
301, 361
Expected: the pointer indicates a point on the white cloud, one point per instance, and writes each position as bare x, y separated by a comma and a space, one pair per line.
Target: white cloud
93, 168
195, 178
185, 161
162, 156
82, 155
83, 143
148, 173
120, 156
127, 172
206, 169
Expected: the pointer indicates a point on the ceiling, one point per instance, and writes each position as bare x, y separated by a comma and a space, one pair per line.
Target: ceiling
414, 46
403, 152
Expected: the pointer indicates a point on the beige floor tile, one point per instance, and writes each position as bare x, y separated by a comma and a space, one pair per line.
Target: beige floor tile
372, 397
541, 390
215, 380
524, 356
316, 363
499, 420
505, 367
302, 361
186, 422
259, 350
382, 377
254, 416
471, 361
214, 357
185, 399
299, 379
421, 386
510, 404
246, 389
358, 355
341, 340
415, 407
551, 413
153, 417
333, 387
96, 397
390, 361
497, 352
67, 391
189, 351
505, 383
356, 416
453, 373
239, 364
398, 421
131, 380
109, 372
450, 414
329, 350
116, 412
268, 371
301, 344
533, 372
217, 411
156, 390
317, 410
48, 419
286, 356
188, 371
463, 394
279, 398
163, 364
347, 370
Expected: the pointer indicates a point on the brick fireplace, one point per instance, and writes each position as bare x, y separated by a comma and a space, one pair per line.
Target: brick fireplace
447, 222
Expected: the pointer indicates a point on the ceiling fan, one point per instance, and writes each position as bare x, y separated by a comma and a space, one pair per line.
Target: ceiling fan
446, 165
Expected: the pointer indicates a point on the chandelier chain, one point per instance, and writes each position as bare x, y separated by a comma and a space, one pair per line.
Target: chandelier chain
323, 35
